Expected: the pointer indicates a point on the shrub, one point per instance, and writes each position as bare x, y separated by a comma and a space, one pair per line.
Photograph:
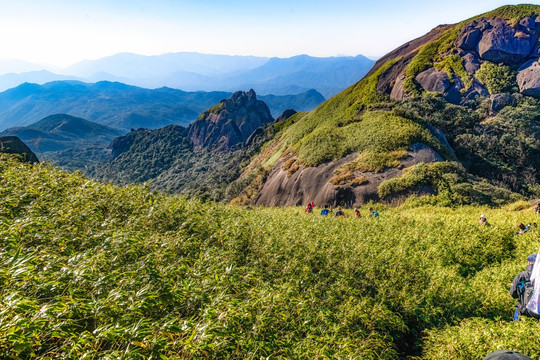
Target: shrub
376, 161
497, 78
360, 180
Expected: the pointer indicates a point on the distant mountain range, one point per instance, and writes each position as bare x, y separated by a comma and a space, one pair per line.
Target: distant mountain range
122, 106
202, 72
60, 132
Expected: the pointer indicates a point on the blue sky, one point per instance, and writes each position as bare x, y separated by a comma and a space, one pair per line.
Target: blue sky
62, 32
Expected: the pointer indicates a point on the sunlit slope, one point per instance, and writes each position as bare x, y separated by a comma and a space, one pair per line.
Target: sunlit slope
98, 271
435, 90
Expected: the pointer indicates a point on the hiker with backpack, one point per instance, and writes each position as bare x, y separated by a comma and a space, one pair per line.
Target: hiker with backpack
522, 289
373, 213
325, 211
339, 213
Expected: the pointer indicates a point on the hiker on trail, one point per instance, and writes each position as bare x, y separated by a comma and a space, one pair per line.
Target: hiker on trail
339, 213
373, 213
325, 211
483, 220
357, 213
537, 208
522, 289
308, 208
523, 229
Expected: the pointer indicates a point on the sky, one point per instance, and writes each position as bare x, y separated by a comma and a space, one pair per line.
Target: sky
63, 32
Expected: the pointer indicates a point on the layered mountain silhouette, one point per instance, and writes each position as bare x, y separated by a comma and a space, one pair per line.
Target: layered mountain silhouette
61, 132
122, 106
453, 114
203, 72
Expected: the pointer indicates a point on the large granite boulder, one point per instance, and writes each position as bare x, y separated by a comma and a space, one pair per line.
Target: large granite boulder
14, 145
433, 80
471, 63
475, 91
496, 40
229, 124
398, 92
500, 101
503, 43
528, 78
285, 115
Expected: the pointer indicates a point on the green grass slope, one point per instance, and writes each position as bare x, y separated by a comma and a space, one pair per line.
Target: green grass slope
89, 270
498, 147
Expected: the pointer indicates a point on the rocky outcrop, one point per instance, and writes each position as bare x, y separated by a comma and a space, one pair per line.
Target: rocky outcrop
398, 92
285, 115
229, 124
14, 145
496, 40
528, 78
433, 80
471, 63
312, 183
500, 101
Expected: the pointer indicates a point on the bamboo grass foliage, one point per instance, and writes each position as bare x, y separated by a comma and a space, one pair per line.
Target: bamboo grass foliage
95, 271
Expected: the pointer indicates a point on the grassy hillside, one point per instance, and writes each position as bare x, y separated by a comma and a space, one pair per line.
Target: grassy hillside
499, 147
97, 271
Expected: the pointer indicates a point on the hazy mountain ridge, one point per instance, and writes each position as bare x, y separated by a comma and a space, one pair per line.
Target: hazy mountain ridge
202, 72
122, 106
60, 132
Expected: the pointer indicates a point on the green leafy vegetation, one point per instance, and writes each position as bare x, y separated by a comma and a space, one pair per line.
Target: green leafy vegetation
453, 64
500, 148
376, 131
428, 55
434, 53
165, 158
450, 182
497, 78
90, 270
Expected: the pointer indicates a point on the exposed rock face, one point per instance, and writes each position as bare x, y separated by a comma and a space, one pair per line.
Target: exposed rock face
497, 41
433, 80
311, 184
285, 115
475, 90
471, 63
500, 101
398, 92
14, 145
230, 124
528, 78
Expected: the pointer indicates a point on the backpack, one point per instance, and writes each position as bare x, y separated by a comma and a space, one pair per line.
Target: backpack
525, 289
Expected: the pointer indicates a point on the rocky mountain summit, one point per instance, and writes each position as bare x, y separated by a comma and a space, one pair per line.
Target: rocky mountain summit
453, 114
230, 123
482, 46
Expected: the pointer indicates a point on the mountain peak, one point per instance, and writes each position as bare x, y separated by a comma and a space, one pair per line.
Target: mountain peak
230, 123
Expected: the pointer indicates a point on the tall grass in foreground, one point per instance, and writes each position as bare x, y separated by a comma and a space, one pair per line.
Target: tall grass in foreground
96, 271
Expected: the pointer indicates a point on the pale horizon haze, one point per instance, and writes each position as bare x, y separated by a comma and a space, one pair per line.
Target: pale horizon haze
63, 32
